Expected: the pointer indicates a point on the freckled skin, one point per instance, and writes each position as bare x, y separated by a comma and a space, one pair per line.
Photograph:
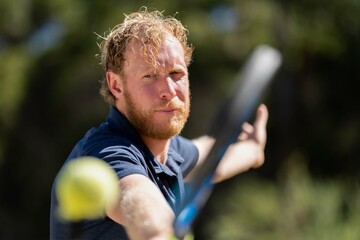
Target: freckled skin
156, 98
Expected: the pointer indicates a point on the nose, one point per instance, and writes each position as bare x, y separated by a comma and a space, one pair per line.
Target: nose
167, 88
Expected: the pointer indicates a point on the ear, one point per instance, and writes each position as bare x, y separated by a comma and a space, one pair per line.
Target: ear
115, 84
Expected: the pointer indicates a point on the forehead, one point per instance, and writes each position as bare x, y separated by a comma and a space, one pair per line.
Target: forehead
168, 52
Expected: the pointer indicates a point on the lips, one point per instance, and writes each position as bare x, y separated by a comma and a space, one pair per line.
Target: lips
170, 107
168, 110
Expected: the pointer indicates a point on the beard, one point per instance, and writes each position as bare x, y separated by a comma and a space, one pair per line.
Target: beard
142, 119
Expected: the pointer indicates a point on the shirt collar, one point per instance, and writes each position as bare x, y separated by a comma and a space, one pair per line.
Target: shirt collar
119, 123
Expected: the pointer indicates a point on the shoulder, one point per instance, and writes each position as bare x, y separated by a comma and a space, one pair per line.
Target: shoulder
105, 144
180, 143
188, 152
103, 140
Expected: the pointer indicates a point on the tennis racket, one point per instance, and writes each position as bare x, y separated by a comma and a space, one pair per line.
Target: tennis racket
250, 85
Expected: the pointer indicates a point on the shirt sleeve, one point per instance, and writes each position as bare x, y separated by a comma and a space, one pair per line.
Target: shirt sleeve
188, 151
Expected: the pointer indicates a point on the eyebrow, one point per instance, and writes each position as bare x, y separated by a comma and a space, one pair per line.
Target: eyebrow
156, 69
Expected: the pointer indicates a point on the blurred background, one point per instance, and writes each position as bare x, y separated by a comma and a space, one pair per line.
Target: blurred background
308, 187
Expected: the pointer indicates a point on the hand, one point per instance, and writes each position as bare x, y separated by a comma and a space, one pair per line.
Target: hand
255, 135
248, 152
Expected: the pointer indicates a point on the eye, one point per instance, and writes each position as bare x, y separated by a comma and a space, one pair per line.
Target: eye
177, 75
153, 75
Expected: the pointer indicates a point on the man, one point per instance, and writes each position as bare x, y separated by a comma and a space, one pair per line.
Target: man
146, 83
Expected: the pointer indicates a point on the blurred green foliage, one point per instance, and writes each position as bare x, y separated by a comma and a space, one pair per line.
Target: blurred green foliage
295, 206
49, 80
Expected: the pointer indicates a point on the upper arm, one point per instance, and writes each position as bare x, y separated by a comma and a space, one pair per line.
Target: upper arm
203, 144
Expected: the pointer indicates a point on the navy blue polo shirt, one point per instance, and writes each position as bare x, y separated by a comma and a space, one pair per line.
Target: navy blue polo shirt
118, 143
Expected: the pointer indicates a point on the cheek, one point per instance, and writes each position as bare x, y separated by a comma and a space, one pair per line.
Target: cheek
142, 93
184, 90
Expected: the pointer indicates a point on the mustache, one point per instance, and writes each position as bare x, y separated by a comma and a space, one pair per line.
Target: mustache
173, 104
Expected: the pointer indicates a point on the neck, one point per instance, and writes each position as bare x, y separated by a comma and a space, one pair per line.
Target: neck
158, 147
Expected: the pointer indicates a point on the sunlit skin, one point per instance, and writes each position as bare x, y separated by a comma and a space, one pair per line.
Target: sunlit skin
154, 97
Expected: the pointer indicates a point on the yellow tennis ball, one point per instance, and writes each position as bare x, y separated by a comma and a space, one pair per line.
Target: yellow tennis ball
85, 188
